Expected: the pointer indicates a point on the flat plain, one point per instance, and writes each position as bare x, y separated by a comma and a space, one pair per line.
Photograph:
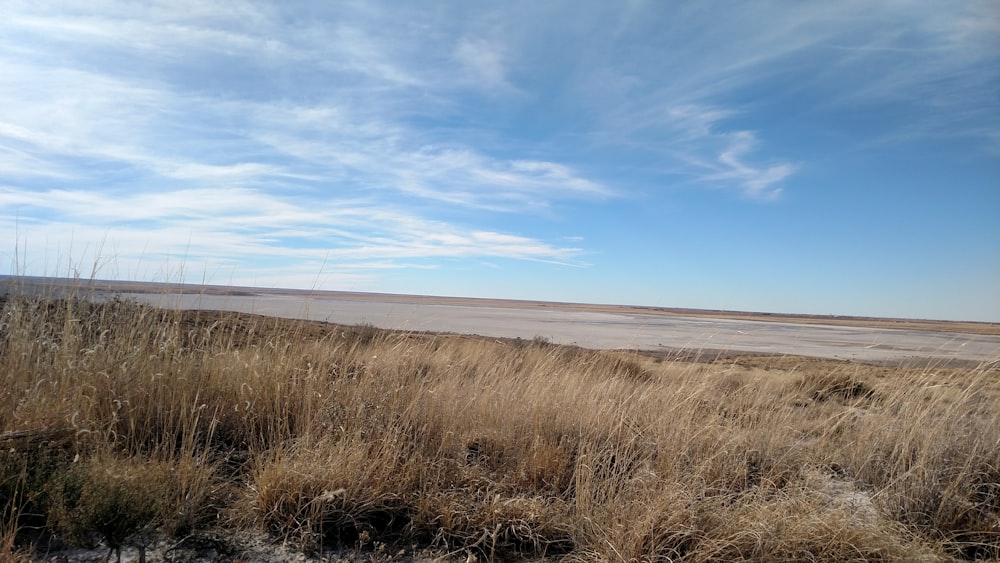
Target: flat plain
652, 329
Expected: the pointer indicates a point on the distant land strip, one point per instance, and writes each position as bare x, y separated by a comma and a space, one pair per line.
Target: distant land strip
39, 285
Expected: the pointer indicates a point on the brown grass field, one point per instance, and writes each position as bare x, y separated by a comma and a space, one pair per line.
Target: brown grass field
125, 425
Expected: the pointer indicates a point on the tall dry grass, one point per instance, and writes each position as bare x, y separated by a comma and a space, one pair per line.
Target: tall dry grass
121, 422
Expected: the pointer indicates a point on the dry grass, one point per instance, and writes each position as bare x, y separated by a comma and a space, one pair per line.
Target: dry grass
120, 422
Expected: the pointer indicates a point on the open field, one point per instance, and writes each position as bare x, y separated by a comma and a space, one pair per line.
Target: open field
123, 424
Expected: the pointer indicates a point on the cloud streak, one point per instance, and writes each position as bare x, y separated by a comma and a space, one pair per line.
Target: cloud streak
241, 224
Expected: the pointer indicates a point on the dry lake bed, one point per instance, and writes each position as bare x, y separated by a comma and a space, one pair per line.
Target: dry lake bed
591, 326
606, 329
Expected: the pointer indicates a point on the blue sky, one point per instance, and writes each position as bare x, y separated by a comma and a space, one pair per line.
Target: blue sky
805, 157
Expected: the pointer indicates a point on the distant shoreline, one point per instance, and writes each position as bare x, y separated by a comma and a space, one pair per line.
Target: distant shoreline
38, 283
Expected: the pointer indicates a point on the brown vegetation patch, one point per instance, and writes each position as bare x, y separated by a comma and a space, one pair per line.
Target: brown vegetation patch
122, 424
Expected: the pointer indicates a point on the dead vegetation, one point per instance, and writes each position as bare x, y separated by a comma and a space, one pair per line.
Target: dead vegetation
120, 423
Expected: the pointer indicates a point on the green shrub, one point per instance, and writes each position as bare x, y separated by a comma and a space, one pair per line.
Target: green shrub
103, 501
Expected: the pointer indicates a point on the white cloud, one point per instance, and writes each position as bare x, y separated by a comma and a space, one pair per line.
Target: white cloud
19, 163
924, 72
483, 62
235, 171
757, 182
242, 225
706, 152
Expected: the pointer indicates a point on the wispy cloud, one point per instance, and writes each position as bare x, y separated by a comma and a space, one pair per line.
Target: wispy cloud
483, 63
702, 150
756, 181
918, 71
241, 225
